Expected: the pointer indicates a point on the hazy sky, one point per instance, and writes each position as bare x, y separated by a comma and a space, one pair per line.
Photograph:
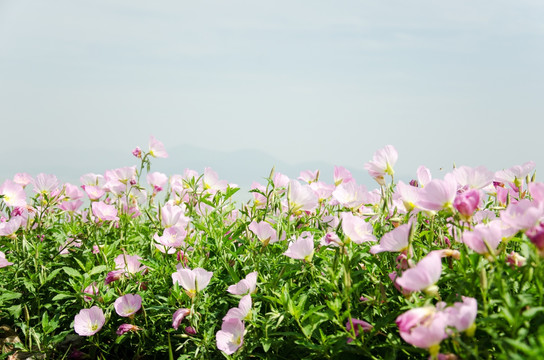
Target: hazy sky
302, 81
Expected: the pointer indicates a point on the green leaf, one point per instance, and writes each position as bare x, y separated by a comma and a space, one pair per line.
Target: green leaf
53, 274
45, 322
518, 345
98, 269
71, 272
532, 312
62, 297
15, 310
266, 342
9, 295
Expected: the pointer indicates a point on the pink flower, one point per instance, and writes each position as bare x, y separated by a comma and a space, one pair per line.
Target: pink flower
438, 194
192, 280
280, 180
127, 305
178, 317
124, 328
22, 179
3, 261
72, 192
423, 176
423, 327
309, 176
330, 239
130, 264
462, 314
242, 311
9, 228
302, 248
12, 193
264, 232
484, 233
245, 286
356, 228
395, 240
104, 211
92, 179
231, 336
358, 325
473, 178
301, 197
536, 235
171, 239
93, 192
537, 191
89, 321
350, 195
322, 190
157, 180
156, 148
523, 215
409, 195
424, 275
211, 182
173, 215
258, 198
515, 174
123, 175
467, 202
382, 163
45, 184
341, 175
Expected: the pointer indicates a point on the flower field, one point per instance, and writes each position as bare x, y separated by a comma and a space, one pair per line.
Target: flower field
136, 264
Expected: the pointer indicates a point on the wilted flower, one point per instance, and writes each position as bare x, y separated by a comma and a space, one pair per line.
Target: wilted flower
124, 328
178, 317
91, 290
515, 259
189, 330
137, 152
358, 325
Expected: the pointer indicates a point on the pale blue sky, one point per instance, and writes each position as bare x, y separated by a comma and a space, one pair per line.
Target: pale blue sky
302, 81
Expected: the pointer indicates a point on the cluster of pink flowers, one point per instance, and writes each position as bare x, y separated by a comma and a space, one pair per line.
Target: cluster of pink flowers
426, 327
231, 336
